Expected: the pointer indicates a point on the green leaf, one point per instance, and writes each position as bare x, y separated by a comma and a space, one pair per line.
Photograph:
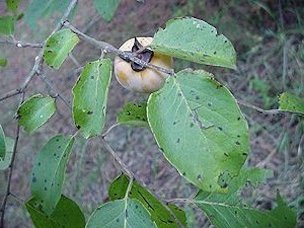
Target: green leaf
3, 62
7, 25
120, 213
13, 5
48, 172
58, 47
200, 129
133, 114
106, 8
66, 214
254, 176
227, 210
228, 213
4, 164
90, 97
194, 40
36, 111
39, 9
179, 214
291, 103
160, 214
2, 144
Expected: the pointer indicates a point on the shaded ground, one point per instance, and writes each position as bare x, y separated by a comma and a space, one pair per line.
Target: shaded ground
268, 37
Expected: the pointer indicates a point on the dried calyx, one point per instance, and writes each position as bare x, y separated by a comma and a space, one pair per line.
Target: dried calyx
141, 53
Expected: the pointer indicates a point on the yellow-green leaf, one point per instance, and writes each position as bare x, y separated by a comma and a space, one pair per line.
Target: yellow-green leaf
90, 95
5, 163
133, 114
36, 111
291, 103
58, 47
7, 25
13, 5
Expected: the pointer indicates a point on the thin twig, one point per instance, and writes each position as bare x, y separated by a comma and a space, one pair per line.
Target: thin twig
117, 159
11, 168
35, 70
269, 111
110, 129
21, 201
9, 94
96, 18
111, 49
22, 44
55, 90
65, 16
74, 60
179, 200
262, 163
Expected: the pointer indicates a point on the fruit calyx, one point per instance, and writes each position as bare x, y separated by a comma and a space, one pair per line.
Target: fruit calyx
139, 52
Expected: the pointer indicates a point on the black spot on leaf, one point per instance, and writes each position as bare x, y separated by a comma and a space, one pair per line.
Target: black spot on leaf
224, 185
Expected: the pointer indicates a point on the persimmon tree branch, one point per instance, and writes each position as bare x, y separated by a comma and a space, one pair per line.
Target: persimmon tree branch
251, 106
111, 49
123, 166
21, 44
36, 70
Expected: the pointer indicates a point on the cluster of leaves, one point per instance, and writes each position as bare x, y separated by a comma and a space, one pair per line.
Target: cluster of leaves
196, 123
